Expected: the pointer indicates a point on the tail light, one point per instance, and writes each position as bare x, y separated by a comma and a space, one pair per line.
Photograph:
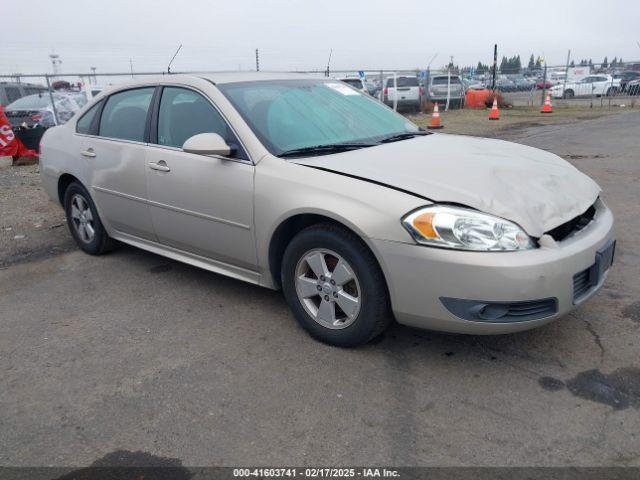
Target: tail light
386, 90
420, 91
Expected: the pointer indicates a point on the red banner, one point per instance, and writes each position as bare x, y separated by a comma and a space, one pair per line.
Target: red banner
10, 145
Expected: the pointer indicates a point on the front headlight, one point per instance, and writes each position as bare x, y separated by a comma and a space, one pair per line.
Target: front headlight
465, 229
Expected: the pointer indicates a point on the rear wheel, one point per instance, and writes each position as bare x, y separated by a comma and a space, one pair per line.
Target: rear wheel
83, 221
568, 94
334, 286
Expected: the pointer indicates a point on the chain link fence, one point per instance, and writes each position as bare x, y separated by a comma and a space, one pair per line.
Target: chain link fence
592, 85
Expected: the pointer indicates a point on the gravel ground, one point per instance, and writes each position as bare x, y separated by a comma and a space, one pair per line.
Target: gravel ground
31, 226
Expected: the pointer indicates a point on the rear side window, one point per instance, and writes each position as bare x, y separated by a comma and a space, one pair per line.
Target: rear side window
403, 82
125, 114
84, 124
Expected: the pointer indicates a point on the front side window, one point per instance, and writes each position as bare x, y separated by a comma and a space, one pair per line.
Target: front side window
125, 114
292, 114
185, 113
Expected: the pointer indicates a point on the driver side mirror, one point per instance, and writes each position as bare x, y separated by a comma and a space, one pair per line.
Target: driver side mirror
207, 144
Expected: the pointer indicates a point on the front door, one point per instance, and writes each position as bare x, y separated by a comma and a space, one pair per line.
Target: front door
199, 204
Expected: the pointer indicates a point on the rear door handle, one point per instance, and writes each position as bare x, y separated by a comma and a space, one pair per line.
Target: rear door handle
161, 166
88, 153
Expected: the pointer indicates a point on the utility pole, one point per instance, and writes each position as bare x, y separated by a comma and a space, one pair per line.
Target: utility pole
131, 66
55, 62
257, 60
566, 72
328, 63
495, 66
93, 72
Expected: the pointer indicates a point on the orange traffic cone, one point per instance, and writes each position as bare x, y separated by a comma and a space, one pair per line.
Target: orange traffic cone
495, 113
546, 108
435, 118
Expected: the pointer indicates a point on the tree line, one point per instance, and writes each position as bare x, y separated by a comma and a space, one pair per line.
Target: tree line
514, 64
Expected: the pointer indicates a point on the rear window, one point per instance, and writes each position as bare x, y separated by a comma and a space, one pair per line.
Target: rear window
444, 80
403, 82
354, 82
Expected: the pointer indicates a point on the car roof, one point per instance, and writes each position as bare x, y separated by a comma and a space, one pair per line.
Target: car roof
216, 78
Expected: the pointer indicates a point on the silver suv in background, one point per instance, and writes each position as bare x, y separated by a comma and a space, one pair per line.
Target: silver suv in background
439, 87
408, 94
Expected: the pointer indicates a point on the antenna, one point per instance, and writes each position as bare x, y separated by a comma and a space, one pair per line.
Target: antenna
328, 62
173, 58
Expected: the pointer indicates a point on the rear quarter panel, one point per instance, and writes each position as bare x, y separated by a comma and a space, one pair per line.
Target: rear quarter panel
60, 154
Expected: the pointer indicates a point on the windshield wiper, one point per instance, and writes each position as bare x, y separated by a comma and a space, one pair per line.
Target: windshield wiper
403, 136
324, 149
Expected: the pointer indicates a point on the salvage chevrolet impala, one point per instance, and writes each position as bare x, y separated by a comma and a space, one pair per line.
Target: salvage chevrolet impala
359, 216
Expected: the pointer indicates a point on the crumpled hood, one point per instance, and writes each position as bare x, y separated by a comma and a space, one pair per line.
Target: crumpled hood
534, 188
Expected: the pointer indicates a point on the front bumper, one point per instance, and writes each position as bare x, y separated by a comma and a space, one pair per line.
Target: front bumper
420, 277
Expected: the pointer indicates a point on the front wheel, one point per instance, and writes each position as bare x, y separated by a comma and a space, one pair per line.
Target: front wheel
334, 286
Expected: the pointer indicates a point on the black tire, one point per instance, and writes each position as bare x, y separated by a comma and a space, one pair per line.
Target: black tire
100, 242
375, 313
568, 94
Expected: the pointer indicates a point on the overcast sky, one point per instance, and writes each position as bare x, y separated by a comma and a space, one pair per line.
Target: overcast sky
297, 34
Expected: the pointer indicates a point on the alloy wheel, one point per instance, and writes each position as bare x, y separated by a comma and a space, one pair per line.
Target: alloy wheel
82, 218
328, 289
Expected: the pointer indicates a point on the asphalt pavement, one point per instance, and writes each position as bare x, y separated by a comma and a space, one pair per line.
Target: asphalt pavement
134, 352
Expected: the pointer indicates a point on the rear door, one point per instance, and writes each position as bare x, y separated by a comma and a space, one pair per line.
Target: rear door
202, 204
114, 154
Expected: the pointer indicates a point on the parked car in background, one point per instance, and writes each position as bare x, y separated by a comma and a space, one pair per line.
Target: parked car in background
441, 87
306, 185
505, 85
521, 82
356, 83
596, 85
626, 77
80, 97
408, 94
633, 87
473, 84
36, 110
373, 88
540, 84
12, 91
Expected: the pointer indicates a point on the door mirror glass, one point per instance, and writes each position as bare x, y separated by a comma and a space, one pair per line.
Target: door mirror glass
207, 144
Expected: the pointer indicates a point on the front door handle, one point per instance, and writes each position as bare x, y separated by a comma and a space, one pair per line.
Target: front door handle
161, 166
88, 153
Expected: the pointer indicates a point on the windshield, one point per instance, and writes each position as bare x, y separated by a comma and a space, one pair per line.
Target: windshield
293, 114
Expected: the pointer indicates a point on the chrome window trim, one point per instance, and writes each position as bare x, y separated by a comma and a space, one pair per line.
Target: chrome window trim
177, 85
